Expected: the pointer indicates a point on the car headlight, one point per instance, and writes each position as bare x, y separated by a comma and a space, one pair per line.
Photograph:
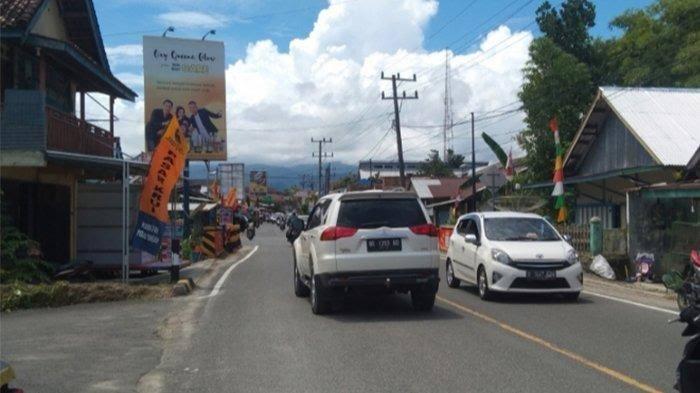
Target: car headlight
572, 257
500, 256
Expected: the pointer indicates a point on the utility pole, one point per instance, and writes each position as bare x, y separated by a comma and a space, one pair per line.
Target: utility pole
397, 123
327, 185
473, 167
321, 155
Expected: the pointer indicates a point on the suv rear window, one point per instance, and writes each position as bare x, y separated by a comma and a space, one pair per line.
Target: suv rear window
375, 213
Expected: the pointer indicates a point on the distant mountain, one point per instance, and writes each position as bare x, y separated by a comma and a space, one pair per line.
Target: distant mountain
280, 177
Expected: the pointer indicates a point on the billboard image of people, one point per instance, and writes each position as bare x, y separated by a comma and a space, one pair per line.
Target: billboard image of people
258, 182
186, 79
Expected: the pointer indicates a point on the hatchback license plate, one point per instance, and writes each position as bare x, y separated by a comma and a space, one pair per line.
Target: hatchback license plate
541, 275
378, 245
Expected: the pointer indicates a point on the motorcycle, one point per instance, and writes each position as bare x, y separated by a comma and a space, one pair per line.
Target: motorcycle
293, 234
688, 371
675, 281
250, 232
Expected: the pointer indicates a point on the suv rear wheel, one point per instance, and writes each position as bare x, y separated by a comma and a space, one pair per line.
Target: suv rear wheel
422, 300
300, 289
319, 305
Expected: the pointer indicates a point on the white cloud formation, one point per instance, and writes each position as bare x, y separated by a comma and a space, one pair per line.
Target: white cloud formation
328, 85
131, 54
192, 19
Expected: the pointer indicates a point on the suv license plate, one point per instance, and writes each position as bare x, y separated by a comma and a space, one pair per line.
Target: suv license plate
379, 245
542, 275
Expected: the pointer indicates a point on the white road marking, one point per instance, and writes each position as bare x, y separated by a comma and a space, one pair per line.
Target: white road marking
617, 299
228, 271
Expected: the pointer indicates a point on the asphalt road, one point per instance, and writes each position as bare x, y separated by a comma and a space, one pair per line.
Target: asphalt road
256, 336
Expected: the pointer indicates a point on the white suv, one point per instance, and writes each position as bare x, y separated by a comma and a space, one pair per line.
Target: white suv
370, 242
512, 252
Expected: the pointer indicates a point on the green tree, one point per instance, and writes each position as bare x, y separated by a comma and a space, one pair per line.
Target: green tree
660, 45
347, 181
568, 28
433, 166
556, 84
454, 160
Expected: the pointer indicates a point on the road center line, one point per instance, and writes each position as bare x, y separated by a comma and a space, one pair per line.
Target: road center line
571, 355
228, 271
620, 300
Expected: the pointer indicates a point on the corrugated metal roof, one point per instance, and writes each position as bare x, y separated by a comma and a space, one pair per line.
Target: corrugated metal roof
422, 186
666, 121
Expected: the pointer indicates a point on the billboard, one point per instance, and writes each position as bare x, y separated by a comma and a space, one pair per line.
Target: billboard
230, 175
258, 182
186, 78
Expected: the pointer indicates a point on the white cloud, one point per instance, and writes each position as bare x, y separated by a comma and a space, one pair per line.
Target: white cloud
131, 54
277, 101
192, 19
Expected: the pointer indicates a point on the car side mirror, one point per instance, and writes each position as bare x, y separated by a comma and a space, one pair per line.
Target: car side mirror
566, 238
471, 238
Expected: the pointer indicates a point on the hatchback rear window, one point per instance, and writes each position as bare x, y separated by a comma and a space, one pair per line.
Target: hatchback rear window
375, 213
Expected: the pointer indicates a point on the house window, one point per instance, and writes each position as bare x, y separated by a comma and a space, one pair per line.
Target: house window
58, 91
27, 72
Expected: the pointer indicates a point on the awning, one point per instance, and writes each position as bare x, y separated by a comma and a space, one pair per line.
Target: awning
97, 163
598, 176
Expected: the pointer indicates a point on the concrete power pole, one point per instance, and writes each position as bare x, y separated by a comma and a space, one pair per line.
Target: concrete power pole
397, 123
321, 155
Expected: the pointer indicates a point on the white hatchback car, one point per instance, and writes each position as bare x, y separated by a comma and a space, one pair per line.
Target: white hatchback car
370, 242
512, 252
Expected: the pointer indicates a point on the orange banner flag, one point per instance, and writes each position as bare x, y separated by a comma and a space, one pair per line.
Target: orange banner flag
166, 165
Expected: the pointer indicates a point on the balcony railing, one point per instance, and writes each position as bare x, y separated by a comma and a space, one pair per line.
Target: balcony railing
67, 133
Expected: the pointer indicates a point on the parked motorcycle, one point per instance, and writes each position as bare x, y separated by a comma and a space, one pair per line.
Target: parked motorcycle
675, 281
688, 371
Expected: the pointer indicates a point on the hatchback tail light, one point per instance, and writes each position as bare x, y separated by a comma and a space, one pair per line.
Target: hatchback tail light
335, 233
425, 229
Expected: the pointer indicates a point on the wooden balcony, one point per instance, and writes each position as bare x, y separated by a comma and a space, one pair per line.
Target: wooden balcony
65, 132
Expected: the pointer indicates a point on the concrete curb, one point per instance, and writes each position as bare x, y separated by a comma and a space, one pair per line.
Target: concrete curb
183, 287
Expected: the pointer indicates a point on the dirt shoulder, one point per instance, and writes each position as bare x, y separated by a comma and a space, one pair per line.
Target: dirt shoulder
641, 292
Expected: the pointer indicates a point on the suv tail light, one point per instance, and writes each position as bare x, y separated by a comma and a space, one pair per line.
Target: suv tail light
425, 229
335, 233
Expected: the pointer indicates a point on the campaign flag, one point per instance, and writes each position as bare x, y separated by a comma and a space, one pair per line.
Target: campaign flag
510, 166
165, 168
558, 178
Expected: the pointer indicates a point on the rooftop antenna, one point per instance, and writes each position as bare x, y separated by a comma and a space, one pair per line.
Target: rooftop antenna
168, 30
212, 32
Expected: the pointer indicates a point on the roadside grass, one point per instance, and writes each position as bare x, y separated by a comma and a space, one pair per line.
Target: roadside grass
18, 295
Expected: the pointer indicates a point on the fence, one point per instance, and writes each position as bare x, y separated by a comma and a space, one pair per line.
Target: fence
580, 235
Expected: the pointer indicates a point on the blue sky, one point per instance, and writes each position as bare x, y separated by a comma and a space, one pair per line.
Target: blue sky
317, 66
244, 21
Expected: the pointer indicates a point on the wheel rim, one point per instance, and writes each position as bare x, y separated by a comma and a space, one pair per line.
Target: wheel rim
313, 290
482, 283
450, 273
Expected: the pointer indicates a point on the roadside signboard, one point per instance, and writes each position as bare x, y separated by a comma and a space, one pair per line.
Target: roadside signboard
231, 175
186, 79
258, 182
